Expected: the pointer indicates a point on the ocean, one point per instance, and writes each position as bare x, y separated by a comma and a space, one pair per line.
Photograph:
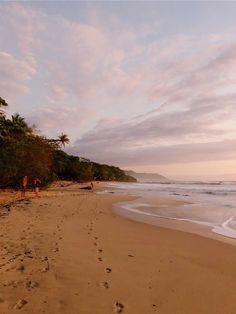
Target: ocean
208, 204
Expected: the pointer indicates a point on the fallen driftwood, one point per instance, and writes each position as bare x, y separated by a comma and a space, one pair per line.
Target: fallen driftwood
86, 188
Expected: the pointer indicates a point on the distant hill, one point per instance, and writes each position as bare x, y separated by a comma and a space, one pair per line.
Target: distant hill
147, 177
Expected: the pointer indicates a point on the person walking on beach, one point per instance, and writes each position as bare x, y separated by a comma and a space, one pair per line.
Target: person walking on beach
36, 183
24, 185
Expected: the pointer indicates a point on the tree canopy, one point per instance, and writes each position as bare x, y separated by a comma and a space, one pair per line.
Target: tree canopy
3, 103
22, 152
63, 139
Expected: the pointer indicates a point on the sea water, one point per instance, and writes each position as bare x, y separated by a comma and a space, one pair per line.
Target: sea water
211, 204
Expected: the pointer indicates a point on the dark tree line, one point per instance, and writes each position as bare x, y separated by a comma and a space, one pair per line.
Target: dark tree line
70, 167
22, 152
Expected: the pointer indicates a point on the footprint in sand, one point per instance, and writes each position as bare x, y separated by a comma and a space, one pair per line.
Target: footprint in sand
119, 307
31, 284
108, 270
21, 268
99, 259
100, 250
20, 304
104, 284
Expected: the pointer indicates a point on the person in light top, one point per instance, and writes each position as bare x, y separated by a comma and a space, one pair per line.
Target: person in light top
24, 186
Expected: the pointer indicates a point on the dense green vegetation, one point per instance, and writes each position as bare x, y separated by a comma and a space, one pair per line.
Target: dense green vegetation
23, 152
75, 168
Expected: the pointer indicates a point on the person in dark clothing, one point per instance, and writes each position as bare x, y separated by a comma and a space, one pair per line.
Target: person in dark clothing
36, 183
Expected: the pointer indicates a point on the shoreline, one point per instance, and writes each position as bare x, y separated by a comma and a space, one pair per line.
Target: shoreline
184, 214
184, 225
67, 252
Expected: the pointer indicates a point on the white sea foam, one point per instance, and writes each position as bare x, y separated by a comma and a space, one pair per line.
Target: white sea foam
225, 229
218, 199
133, 207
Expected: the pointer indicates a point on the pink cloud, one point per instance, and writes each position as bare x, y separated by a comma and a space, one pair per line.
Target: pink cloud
92, 67
23, 25
89, 70
14, 75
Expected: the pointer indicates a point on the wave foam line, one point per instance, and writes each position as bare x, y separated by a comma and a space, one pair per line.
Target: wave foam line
225, 229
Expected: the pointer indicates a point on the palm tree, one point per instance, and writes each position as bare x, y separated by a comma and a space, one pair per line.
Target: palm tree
19, 125
63, 139
3, 103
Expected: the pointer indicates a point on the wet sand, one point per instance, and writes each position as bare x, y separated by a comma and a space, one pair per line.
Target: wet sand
67, 252
165, 208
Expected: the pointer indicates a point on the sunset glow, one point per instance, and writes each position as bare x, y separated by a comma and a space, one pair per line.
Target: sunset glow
147, 86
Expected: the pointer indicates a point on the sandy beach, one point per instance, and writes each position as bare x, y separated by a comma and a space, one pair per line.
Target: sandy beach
68, 252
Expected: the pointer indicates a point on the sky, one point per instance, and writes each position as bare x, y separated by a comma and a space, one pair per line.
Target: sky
147, 86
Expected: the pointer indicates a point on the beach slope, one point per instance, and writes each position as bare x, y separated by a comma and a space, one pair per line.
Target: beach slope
67, 252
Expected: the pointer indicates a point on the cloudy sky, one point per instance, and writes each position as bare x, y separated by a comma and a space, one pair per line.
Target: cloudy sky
148, 86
